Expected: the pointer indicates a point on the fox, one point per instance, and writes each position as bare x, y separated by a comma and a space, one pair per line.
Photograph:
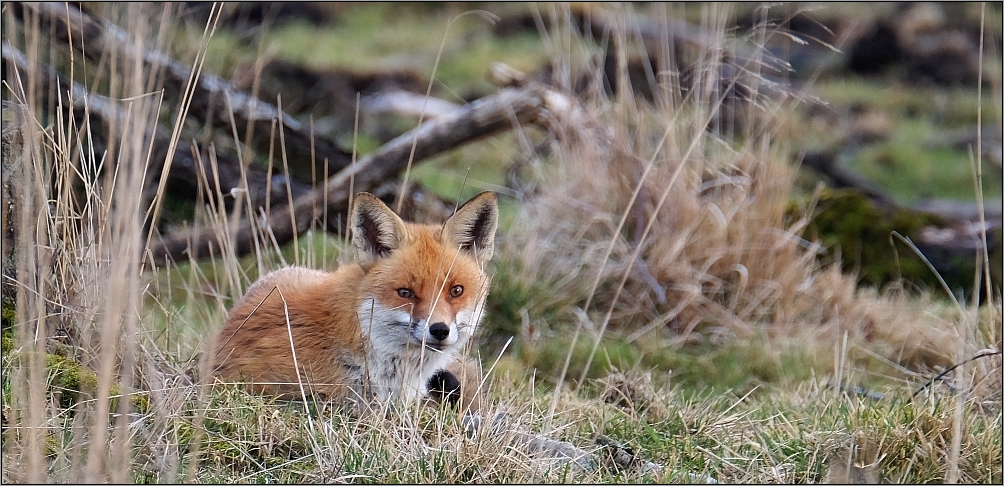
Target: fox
390, 326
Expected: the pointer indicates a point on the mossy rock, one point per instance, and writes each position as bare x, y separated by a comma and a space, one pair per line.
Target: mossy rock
860, 233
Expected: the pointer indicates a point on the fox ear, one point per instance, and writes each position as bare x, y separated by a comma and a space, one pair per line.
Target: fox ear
376, 230
473, 226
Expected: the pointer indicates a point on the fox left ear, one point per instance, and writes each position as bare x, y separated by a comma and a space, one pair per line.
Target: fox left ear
376, 230
473, 226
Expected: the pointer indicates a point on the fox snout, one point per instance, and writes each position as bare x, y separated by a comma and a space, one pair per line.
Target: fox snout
439, 331
404, 328
437, 335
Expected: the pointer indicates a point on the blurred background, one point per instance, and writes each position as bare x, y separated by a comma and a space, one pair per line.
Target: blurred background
729, 200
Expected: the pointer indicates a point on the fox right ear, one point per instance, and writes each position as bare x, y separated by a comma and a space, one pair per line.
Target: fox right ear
473, 226
376, 230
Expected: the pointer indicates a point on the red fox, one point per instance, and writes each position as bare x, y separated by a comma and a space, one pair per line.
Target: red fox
388, 326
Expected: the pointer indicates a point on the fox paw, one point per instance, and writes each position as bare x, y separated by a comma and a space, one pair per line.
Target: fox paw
444, 387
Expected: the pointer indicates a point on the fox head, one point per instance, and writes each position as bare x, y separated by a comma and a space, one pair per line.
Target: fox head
424, 285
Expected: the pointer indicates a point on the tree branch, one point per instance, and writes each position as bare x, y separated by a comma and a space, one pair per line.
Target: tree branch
102, 113
482, 118
213, 98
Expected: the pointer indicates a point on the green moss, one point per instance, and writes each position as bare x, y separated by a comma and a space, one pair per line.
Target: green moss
9, 315
68, 381
7, 331
8, 342
860, 236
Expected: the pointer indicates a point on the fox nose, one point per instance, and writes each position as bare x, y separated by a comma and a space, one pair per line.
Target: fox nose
439, 331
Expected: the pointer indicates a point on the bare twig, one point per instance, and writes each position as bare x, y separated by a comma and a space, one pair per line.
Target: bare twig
948, 370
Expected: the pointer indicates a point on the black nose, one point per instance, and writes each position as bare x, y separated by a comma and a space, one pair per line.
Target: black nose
439, 331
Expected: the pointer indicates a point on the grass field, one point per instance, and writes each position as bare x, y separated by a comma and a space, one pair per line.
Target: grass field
651, 284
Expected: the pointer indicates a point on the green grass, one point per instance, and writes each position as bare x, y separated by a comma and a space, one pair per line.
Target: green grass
473, 168
389, 36
948, 107
908, 163
786, 435
910, 170
743, 397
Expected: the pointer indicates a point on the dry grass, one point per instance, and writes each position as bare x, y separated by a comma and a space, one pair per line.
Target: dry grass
80, 270
652, 223
666, 224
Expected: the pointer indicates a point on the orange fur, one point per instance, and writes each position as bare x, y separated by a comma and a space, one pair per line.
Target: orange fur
377, 328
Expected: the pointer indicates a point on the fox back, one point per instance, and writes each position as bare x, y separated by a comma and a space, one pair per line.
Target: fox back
380, 327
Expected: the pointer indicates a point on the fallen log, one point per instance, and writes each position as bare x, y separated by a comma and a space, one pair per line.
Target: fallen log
485, 117
189, 164
213, 99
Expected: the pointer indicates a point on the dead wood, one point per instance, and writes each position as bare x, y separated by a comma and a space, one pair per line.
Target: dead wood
329, 96
950, 210
189, 163
485, 117
742, 71
15, 126
213, 99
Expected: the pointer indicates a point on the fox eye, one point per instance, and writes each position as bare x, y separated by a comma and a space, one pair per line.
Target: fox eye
405, 293
456, 291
